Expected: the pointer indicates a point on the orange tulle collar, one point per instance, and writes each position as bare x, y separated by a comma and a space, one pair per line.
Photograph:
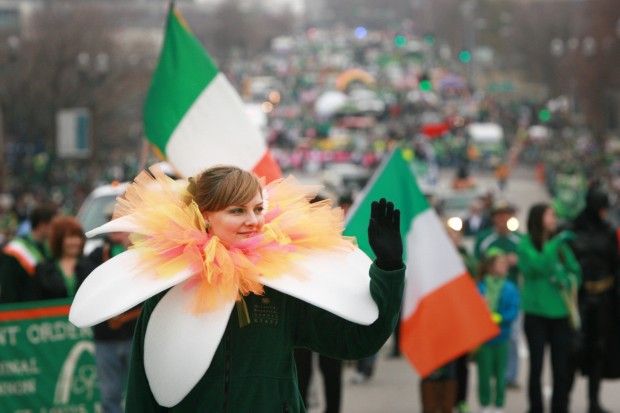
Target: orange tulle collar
173, 236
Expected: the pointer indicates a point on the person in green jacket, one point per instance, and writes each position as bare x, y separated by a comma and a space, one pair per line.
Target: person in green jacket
253, 368
551, 276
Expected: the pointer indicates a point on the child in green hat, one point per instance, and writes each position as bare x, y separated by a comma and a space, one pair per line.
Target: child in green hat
502, 297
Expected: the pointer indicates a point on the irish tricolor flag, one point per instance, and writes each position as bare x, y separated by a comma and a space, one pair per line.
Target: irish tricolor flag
194, 116
443, 315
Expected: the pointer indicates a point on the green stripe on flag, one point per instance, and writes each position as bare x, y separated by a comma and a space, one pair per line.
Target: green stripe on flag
183, 72
395, 181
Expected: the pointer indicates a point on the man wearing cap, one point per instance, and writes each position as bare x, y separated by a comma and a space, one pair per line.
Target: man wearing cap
499, 236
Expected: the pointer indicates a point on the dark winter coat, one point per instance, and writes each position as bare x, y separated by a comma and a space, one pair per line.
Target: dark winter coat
50, 282
253, 369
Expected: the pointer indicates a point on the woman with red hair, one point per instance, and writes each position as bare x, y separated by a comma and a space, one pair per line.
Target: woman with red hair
57, 278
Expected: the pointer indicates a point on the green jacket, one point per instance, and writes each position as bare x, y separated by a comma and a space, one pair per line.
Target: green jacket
253, 369
546, 275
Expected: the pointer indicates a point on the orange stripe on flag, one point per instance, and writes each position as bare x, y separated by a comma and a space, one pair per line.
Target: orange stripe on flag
267, 167
33, 313
450, 321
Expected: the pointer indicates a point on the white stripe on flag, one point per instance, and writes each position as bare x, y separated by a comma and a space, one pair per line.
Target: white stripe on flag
215, 131
432, 259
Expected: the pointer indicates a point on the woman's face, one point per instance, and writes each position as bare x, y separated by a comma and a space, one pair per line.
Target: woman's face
236, 222
549, 221
72, 246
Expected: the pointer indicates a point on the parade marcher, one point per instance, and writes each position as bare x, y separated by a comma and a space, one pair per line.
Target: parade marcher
463, 180
502, 172
58, 277
502, 297
462, 363
550, 274
596, 249
364, 369
499, 236
331, 370
438, 390
222, 338
476, 219
113, 337
21, 257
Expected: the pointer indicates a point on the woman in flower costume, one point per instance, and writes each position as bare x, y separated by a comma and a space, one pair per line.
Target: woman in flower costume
255, 272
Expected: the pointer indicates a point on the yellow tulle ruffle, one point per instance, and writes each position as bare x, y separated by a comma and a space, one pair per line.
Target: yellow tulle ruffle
173, 236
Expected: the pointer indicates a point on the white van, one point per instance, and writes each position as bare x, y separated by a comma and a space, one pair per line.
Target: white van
99, 205
96, 209
488, 141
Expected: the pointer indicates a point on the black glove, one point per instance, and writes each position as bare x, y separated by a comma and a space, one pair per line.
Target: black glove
384, 235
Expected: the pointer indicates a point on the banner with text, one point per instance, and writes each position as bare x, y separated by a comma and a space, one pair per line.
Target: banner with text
47, 365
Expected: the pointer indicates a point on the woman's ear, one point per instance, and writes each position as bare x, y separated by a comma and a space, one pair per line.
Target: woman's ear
206, 218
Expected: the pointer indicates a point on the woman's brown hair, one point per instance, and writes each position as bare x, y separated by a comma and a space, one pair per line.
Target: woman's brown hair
535, 226
222, 186
61, 228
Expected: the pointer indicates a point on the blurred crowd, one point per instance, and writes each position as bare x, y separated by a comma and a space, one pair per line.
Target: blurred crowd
557, 284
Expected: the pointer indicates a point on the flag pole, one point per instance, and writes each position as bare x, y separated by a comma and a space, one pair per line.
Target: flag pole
144, 154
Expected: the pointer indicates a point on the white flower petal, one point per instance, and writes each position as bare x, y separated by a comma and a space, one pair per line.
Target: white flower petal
334, 281
179, 345
125, 223
115, 286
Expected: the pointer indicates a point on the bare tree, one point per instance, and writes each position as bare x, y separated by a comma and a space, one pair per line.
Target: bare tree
598, 72
66, 58
230, 29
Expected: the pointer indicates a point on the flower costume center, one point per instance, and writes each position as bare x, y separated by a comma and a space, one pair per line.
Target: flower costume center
299, 251
174, 236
